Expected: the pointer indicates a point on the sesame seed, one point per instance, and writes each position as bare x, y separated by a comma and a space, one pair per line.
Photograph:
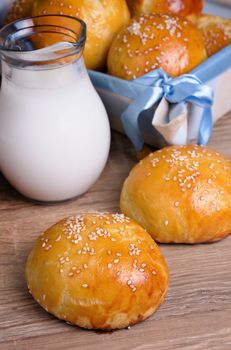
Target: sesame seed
134, 250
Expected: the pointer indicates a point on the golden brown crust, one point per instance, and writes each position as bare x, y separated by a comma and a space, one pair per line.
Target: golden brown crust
103, 18
181, 194
216, 32
156, 41
19, 9
99, 271
177, 7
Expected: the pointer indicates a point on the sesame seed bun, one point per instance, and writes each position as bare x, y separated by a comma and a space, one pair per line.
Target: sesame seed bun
181, 194
156, 41
103, 18
97, 271
216, 32
177, 7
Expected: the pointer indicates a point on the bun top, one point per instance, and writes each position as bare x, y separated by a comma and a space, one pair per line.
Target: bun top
177, 7
97, 270
181, 194
216, 32
156, 41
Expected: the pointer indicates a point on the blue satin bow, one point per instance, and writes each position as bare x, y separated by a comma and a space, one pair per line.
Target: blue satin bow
186, 88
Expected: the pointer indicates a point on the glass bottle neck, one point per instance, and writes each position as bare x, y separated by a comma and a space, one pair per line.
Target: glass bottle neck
46, 78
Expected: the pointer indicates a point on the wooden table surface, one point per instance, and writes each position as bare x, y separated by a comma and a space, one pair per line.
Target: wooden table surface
196, 314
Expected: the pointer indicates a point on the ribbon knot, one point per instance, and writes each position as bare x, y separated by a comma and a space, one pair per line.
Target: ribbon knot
167, 90
186, 88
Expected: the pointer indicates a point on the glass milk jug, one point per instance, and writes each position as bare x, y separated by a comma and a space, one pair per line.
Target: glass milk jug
54, 131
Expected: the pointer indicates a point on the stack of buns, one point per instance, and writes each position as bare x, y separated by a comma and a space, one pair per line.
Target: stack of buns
167, 34
172, 35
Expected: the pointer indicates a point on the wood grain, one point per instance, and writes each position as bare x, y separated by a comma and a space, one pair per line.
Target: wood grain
196, 314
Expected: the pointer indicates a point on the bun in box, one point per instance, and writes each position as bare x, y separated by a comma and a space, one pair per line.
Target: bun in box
103, 19
190, 8
156, 41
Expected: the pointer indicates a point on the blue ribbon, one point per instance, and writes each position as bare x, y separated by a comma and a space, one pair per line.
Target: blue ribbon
186, 88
